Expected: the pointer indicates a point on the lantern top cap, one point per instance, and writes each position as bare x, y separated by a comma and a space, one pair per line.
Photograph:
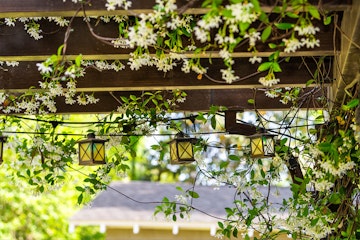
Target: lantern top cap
3, 138
183, 136
91, 137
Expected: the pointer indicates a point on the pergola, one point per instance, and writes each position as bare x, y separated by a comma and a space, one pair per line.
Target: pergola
341, 59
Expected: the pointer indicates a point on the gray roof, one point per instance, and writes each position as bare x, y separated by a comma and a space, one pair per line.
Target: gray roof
136, 201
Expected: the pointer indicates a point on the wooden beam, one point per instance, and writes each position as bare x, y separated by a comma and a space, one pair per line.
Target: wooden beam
294, 74
196, 100
17, 45
36, 8
347, 72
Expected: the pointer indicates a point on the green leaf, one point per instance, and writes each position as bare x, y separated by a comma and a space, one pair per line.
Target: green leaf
213, 122
244, 26
292, 15
314, 12
221, 225
314, 222
327, 20
352, 104
133, 97
234, 157
324, 146
223, 164
235, 232
59, 50
80, 189
251, 101
264, 66
276, 67
272, 45
193, 194
335, 198
78, 60
309, 82
266, 33
284, 26
80, 199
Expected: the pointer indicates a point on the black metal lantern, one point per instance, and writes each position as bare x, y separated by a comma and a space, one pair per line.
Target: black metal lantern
92, 150
2, 140
262, 145
181, 149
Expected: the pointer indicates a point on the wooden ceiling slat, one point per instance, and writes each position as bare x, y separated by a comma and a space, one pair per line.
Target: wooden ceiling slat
36, 8
197, 100
295, 73
17, 45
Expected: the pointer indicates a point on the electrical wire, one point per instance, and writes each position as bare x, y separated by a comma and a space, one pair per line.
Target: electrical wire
147, 202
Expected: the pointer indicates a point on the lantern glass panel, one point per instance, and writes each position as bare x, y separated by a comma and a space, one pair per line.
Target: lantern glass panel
185, 150
99, 152
257, 146
262, 145
269, 146
181, 150
173, 151
85, 152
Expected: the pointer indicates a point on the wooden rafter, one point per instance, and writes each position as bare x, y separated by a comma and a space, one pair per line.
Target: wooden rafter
16, 45
36, 8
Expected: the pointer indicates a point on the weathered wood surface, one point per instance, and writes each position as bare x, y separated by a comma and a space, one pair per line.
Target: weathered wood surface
16, 45
31, 8
296, 73
197, 100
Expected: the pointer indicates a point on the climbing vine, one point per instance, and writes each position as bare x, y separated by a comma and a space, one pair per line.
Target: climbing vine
321, 165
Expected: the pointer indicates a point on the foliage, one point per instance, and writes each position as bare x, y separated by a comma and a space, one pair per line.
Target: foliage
26, 214
322, 163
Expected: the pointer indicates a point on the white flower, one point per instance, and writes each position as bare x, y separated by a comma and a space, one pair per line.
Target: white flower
81, 100
210, 22
306, 30
272, 93
10, 22
242, 12
255, 59
291, 45
91, 99
12, 63
225, 54
186, 66
253, 37
323, 185
43, 69
33, 29
143, 35
62, 22
201, 34
268, 81
181, 199
310, 42
228, 75
112, 4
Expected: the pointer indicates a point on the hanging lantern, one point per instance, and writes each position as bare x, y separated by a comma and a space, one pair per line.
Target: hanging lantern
262, 145
2, 140
91, 150
181, 149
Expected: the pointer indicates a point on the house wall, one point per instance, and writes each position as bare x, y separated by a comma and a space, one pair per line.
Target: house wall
157, 234
164, 234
